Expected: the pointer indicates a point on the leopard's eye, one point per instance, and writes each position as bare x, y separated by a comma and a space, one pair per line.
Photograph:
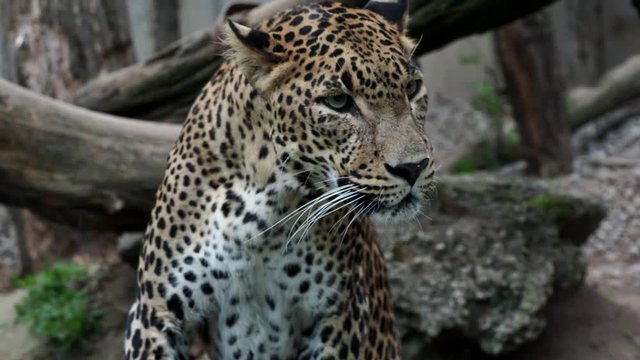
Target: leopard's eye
341, 103
412, 88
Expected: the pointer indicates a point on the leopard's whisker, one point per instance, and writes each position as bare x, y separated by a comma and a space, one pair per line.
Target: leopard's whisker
329, 211
301, 209
330, 180
320, 212
351, 197
343, 217
336, 192
364, 210
317, 212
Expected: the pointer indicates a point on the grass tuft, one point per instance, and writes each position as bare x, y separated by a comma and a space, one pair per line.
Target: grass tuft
56, 308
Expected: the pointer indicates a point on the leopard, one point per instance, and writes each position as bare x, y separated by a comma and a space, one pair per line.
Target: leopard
262, 237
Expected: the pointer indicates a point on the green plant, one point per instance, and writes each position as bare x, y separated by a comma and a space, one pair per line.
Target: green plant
488, 100
56, 308
502, 146
554, 206
469, 59
482, 156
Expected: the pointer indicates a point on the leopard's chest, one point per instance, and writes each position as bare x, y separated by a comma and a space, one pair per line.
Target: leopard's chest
271, 300
265, 292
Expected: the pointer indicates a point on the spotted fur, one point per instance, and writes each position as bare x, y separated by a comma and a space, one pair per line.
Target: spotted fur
261, 232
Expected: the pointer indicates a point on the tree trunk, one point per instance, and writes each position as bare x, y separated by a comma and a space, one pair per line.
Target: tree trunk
7, 56
64, 43
165, 23
537, 92
163, 87
59, 45
579, 26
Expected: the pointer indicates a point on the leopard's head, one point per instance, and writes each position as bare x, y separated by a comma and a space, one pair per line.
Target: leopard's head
349, 102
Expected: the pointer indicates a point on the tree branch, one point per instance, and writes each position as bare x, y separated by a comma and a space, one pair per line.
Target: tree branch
439, 22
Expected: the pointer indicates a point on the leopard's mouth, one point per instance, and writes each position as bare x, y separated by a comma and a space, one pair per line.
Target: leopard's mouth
373, 206
406, 208
369, 204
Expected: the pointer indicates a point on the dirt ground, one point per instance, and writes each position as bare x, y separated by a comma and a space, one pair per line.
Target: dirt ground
602, 320
596, 323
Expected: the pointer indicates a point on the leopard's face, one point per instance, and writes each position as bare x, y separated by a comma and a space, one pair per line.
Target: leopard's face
349, 106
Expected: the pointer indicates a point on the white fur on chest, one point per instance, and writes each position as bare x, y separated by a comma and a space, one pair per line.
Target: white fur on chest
271, 292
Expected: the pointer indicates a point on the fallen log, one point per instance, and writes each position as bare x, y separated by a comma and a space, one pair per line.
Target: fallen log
76, 166
162, 88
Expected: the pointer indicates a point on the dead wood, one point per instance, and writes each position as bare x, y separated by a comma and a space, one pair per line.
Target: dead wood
77, 166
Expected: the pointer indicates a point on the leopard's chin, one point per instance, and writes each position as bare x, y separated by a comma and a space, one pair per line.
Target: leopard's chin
408, 208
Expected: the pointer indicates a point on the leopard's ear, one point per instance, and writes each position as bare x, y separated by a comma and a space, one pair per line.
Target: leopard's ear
256, 53
394, 11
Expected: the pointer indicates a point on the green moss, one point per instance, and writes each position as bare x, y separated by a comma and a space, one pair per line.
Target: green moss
555, 206
483, 156
55, 308
469, 59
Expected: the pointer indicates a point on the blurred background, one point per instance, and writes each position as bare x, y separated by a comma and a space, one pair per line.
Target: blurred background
531, 249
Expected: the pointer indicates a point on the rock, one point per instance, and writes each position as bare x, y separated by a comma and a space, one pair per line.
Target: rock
128, 247
486, 264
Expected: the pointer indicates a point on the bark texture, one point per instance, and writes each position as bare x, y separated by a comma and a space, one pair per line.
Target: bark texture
579, 25
7, 57
526, 51
162, 88
439, 22
165, 24
61, 44
96, 32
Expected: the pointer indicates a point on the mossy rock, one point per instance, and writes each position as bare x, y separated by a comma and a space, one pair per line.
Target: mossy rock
482, 270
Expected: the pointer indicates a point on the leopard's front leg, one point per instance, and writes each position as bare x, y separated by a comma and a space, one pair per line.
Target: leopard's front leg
170, 306
155, 331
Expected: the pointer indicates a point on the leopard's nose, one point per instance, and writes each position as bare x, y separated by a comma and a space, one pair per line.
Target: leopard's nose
408, 171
